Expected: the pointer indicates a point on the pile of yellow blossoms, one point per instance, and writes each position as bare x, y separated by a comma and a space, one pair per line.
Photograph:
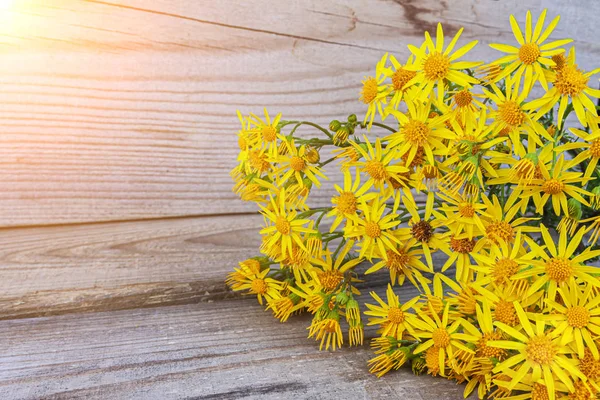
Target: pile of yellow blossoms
473, 189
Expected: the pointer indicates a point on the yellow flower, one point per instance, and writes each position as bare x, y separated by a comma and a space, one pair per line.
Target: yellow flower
374, 230
463, 215
559, 268
284, 227
295, 163
400, 77
328, 331
393, 317
512, 116
589, 148
418, 131
577, 320
374, 93
447, 338
539, 350
532, 54
434, 65
266, 131
262, 286
556, 185
345, 206
500, 223
377, 163
403, 262
568, 83
331, 273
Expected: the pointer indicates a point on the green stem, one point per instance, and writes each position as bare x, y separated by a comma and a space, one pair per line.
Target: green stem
380, 125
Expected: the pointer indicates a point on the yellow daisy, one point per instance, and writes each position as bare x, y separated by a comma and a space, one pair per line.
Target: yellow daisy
435, 66
295, 163
377, 163
345, 205
560, 268
283, 228
539, 350
374, 93
393, 317
532, 55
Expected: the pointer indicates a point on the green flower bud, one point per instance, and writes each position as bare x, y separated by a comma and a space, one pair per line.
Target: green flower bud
334, 125
352, 118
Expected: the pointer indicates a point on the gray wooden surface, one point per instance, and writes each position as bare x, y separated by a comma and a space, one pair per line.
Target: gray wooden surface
228, 349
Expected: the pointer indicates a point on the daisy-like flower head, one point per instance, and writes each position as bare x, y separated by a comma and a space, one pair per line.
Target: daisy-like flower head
265, 132
568, 83
331, 273
589, 147
539, 351
400, 77
345, 205
262, 286
578, 319
374, 93
376, 163
555, 184
296, 163
435, 66
394, 318
283, 228
374, 230
419, 132
500, 223
532, 55
463, 215
403, 262
328, 331
513, 117
447, 338
560, 268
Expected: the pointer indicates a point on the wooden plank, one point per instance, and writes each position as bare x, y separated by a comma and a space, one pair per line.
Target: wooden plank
221, 350
126, 110
112, 266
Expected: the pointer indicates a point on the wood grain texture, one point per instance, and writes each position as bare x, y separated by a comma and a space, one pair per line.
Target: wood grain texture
126, 110
113, 266
222, 350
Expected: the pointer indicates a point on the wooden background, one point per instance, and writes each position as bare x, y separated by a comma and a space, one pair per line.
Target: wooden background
118, 132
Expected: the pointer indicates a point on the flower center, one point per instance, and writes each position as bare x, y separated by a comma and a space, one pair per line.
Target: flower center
430, 171
369, 90
376, 170
397, 262
500, 230
330, 279
418, 159
570, 81
259, 161
595, 148
269, 133
440, 337
559, 269
540, 350
464, 246
483, 350
553, 186
346, 203
578, 316
297, 163
560, 61
466, 210
372, 229
416, 132
432, 357
511, 113
539, 392
401, 77
395, 315
463, 98
436, 66
259, 286
422, 231
505, 312
283, 225
529, 53
504, 269
588, 365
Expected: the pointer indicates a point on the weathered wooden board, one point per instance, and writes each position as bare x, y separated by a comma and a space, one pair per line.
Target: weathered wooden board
121, 110
222, 350
112, 266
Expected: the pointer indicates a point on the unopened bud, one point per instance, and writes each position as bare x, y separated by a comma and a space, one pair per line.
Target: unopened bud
334, 125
